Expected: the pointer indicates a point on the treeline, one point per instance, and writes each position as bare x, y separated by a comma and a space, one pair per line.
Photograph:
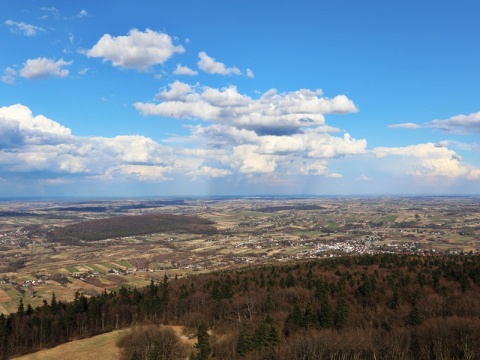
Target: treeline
121, 226
360, 307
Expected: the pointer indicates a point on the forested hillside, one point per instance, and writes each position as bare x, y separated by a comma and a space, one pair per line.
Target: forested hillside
121, 226
382, 307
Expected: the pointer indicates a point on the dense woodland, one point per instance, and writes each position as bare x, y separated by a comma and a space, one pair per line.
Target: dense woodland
121, 226
358, 307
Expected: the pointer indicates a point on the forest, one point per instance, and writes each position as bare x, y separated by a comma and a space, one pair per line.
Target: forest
131, 225
357, 307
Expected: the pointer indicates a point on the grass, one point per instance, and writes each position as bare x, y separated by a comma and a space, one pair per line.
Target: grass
14, 294
124, 263
95, 268
94, 348
388, 218
109, 266
71, 269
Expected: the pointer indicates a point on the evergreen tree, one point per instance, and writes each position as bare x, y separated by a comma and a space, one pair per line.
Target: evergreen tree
325, 317
341, 313
415, 317
394, 302
21, 309
244, 344
273, 335
203, 343
3, 337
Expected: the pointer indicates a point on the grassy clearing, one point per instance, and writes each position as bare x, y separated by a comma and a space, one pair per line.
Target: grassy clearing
97, 347
94, 348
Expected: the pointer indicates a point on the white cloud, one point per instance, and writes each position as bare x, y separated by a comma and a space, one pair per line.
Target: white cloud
30, 144
138, 172
416, 151
138, 50
184, 70
38, 146
52, 10
247, 152
43, 67
211, 66
82, 14
83, 71
459, 124
246, 159
25, 29
317, 168
272, 113
28, 128
250, 73
474, 174
428, 160
404, 126
209, 172
9, 76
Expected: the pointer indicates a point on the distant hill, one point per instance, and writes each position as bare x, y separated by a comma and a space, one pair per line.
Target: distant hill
121, 226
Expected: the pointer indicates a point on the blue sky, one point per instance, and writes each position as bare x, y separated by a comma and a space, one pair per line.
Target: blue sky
188, 97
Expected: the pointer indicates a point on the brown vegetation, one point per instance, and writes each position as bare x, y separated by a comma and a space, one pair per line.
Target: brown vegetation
122, 226
383, 307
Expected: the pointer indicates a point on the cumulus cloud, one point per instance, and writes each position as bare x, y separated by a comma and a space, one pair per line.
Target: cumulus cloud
44, 67
211, 66
428, 160
35, 144
138, 50
318, 167
184, 70
250, 73
38, 146
9, 76
23, 28
272, 113
247, 152
18, 122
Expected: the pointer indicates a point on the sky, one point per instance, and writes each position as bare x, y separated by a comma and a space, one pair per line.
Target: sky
117, 98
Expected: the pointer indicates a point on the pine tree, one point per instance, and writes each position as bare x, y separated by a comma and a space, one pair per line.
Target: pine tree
203, 343
325, 317
244, 344
341, 313
3, 337
415, 317
21, 309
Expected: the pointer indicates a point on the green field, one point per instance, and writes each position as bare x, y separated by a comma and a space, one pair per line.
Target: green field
71, 269
124, 263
